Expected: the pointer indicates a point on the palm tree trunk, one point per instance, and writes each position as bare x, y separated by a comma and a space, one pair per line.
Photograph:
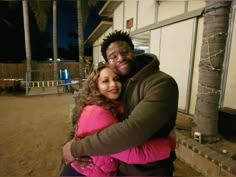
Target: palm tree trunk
55, 56
27, 38
80, 40
216, 19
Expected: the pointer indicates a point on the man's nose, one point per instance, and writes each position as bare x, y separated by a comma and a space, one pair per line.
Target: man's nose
120, 57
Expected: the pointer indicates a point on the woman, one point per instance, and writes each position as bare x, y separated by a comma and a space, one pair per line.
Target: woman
98, 108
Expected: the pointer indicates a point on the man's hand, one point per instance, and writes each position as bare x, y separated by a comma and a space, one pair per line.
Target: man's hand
66, 152
82, 162
172, 136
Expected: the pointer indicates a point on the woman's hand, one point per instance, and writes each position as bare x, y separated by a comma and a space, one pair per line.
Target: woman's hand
84, 162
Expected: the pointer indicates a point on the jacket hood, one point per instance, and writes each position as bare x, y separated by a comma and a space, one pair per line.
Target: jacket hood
145, 63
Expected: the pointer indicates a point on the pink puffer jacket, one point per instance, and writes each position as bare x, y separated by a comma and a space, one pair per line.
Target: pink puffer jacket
94, 118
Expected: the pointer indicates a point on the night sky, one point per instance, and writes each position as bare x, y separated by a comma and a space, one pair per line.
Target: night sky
12, 33
67, 22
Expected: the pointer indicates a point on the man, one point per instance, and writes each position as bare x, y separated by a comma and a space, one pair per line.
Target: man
150, 102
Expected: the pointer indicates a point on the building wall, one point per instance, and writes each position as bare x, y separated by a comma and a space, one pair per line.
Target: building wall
155, 42
195, 70
130, 11
118, 16
193, 4
179, 59
178, 44
145, 15
229, 99
168, 9
175, 55
97, 56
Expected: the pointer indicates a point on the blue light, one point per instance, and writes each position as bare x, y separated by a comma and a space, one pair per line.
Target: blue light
66, 74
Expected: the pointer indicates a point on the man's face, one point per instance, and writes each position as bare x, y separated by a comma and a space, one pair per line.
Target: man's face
120, 57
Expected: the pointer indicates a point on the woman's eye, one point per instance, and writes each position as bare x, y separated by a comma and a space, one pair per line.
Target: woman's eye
104, 81
117, 79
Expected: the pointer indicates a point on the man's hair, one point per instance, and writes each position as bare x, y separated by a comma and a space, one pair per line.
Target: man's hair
115, 36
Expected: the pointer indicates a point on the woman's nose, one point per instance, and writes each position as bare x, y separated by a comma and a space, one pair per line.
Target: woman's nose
113, 83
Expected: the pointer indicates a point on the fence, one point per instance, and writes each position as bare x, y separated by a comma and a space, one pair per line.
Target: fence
42, 76
17, 71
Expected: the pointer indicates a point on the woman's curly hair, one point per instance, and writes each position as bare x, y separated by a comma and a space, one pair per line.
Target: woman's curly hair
89, 94
115, 36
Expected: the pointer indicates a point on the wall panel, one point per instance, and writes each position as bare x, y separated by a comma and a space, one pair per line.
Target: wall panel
176, 41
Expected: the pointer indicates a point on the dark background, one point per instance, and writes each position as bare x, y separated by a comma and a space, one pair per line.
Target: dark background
12, 45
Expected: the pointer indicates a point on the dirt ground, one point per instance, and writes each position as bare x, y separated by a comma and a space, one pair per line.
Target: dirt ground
32, 131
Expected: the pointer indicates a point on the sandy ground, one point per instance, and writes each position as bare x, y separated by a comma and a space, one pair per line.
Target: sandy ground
32, 131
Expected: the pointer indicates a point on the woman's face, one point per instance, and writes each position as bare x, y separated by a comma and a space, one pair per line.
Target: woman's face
109, 84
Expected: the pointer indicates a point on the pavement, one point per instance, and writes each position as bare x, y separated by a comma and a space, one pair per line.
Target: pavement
46, 90
183, 169
211, 160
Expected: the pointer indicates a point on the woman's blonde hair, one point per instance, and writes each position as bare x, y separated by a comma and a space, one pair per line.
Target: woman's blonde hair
89, 93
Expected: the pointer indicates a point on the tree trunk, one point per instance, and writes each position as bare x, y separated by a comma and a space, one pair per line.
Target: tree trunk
40, 9
55, 39
27, 38
80, 40
216, 19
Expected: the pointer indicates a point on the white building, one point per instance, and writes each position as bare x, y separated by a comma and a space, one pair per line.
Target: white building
173, 31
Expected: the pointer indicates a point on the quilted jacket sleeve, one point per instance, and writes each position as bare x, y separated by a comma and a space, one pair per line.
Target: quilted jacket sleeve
153, 150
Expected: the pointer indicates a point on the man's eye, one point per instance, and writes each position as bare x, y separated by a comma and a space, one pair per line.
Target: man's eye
113, 56
124, 52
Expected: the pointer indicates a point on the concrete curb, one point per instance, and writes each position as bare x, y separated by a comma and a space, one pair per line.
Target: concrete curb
203, 159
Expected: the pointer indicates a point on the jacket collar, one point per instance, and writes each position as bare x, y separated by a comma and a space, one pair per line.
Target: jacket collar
145, 64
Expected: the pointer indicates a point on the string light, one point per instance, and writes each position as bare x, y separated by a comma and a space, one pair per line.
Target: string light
206, 39
210, 90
